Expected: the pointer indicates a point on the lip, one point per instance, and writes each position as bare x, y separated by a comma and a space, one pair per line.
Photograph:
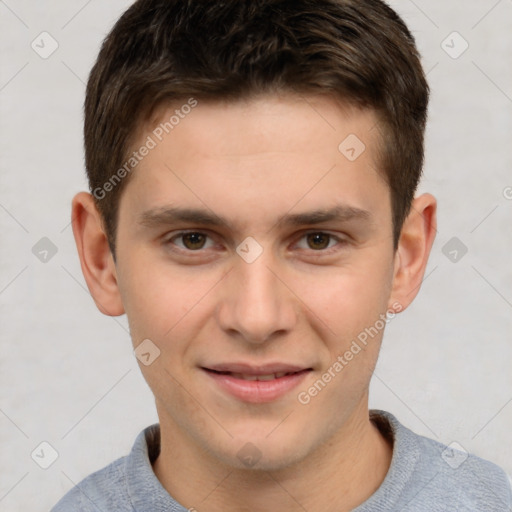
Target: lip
250, 369
256, 391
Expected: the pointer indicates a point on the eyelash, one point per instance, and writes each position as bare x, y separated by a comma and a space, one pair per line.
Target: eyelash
318, 252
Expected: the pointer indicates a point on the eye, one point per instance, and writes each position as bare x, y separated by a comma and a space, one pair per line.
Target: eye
190, 241
319, 241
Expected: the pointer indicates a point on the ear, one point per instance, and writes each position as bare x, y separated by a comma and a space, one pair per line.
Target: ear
411, 257
97, 263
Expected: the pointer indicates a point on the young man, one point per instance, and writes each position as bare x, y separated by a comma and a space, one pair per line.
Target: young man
253, 166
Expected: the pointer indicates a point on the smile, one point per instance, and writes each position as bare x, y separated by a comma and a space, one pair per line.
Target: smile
270, 376
255, 386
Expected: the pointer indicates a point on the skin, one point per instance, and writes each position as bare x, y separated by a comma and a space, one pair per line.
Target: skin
299, 302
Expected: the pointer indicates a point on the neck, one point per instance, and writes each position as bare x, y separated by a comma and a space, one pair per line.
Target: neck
340, 475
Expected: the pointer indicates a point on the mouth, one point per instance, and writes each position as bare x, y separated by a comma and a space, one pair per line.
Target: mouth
256, 376
256, 384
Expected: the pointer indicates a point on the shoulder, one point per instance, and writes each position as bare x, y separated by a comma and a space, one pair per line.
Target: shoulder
469, 481
428, 475
456, 464
114, 486
102, 490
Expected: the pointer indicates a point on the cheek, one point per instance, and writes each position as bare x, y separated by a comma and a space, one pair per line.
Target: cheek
347, 299
161, 302
351, 321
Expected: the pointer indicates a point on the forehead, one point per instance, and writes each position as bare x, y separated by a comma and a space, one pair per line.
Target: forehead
261, 123
268, 153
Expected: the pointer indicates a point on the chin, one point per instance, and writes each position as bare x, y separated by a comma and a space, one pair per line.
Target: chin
268, 463
258, 453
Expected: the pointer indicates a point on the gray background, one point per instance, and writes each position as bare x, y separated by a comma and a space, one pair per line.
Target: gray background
68, 375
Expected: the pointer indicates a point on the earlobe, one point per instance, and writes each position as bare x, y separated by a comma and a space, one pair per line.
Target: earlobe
411, 258
96, 259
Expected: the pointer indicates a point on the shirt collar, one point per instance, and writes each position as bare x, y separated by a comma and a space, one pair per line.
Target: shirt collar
146, 491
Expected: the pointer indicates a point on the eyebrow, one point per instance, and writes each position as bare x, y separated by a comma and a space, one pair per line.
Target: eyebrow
170, 215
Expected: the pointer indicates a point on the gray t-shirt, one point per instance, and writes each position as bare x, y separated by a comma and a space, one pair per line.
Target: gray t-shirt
424, 476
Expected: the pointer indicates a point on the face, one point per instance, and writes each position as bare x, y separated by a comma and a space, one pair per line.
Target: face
251, 246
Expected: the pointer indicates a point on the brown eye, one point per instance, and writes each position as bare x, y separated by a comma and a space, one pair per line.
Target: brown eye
318, 241
193, 241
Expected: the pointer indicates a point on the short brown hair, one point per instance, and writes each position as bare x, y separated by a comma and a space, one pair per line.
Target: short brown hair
359, 51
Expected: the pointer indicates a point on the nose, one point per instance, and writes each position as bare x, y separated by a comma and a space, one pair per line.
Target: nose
257, 305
